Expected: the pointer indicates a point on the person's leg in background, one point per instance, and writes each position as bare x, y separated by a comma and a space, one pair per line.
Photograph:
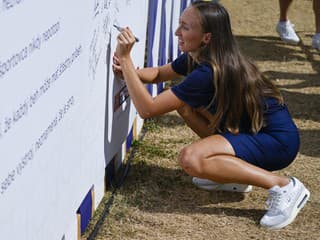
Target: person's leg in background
316, 37
284, 8
284, 26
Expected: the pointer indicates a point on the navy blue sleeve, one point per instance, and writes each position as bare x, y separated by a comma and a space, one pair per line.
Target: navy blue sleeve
197, 89
180, 65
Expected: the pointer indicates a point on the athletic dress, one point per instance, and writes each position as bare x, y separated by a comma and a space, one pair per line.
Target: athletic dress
274, 147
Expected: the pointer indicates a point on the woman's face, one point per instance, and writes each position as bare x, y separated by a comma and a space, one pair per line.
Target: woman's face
189, 32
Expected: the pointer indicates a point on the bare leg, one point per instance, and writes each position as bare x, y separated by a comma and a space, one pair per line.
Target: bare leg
316, 9
197, 122
213, 158
284, 6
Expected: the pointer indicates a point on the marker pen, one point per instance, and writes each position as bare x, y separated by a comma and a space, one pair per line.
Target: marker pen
120, 29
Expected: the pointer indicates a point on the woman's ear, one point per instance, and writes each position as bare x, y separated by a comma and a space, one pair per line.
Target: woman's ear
206, 38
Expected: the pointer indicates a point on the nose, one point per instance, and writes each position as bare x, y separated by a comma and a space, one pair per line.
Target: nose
177, 32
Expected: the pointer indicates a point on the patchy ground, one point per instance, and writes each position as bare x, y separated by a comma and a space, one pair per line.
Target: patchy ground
158, 200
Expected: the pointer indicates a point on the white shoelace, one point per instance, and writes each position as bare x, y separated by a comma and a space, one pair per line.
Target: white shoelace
273, 202
288, 31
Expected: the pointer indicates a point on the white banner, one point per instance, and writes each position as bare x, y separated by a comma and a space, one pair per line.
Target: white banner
56, 89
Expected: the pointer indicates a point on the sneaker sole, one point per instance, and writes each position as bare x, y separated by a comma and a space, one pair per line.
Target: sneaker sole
225, 187
290, 41
298, 206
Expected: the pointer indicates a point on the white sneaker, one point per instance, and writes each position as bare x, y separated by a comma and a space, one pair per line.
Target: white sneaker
209, 185
316, 41
284, 203
287, 33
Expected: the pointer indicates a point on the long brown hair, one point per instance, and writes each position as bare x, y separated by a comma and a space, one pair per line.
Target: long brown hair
239, 85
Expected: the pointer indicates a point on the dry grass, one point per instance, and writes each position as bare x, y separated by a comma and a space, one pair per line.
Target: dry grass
158, 200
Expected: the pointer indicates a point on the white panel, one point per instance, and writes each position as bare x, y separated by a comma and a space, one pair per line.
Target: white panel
53, 92
120, 116
139, 125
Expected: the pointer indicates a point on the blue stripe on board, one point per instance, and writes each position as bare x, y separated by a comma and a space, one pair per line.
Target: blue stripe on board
129, 139
152, 16
85, 211
170, 43
162, 43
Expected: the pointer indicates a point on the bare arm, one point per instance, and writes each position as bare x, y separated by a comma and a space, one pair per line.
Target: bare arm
146, 105
150, 74
197, 119
157, 74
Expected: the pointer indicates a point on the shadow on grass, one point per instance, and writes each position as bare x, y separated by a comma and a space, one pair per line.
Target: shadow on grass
252, 214
265, 48
308, 79
303, 106
162, 190
260, 48
309, 145
306, 107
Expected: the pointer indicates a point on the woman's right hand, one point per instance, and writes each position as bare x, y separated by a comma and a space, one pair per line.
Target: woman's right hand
116, 67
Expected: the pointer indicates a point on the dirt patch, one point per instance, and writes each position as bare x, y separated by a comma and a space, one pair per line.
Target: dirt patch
158, 200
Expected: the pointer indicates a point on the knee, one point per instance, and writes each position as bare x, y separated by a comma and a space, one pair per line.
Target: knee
190, 160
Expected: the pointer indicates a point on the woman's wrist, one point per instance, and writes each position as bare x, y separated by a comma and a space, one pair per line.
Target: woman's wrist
124, 58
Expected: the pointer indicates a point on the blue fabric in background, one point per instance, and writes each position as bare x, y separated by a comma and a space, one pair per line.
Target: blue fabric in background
170, 43
162, 44
152, 16
129, 139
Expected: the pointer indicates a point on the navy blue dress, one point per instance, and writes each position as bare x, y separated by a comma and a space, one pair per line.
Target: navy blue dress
274, 147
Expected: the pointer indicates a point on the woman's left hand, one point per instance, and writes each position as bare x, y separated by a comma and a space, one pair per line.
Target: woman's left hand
126, 41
